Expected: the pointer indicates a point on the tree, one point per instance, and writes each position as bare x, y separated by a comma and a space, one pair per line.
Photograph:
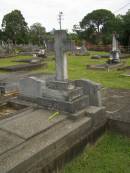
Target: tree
15, 27
37, 34
95, 26
126, 29
1, 35
74, 37
97, 19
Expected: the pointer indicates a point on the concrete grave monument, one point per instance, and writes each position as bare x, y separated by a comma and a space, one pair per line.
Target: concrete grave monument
34, 140
115, 54
84, 50
80, 50
58, 92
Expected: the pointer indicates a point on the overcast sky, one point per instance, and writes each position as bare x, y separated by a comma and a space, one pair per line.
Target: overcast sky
46, 11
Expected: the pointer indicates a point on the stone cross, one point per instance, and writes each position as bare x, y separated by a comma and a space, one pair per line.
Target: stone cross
60, 37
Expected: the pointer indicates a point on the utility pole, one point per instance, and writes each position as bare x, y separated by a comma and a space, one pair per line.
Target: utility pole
60, 15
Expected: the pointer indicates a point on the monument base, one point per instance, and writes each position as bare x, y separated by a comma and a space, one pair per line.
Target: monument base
66, 96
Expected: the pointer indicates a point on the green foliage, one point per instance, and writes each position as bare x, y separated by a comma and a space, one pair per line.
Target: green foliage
110, 155
15, 27
74, 37
126, 29
97, 19
0, 34
111, 26
98, 26
37, 34
10, 61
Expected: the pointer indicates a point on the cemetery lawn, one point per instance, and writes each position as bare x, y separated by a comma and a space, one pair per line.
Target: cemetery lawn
111, 154
77, 70
10, 61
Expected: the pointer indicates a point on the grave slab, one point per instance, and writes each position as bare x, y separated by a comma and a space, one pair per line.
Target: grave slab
45, 147
105, 66
21, 67
28, 125
8, 141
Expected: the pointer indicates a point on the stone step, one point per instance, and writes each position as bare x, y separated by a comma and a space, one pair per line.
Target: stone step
98, 114
65, 106
35, 153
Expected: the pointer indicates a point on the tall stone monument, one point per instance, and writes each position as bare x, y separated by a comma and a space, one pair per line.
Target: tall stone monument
61, 58
58, 92
115, 54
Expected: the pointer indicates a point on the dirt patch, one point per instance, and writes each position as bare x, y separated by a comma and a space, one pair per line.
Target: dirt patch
9, 108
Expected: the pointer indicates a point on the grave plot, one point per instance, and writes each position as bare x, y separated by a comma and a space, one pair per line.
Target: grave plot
125, 74
7, 56
114, 62
126, 70
59, 93
100, 56
68, 116
80, 51
34, 50
9, 82
29, 60
126, 67
22, 67
67, 110
9, 85
26, 53
125, 56
105, 66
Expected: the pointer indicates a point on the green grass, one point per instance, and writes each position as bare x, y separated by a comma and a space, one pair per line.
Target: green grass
9, 61
111, 154
112, 79
77, 70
